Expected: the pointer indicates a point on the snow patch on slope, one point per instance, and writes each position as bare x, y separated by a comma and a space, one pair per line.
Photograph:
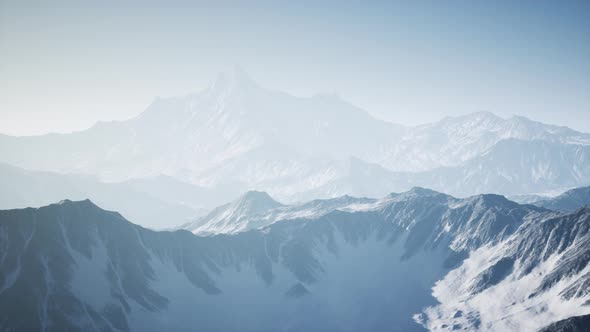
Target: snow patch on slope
506, 306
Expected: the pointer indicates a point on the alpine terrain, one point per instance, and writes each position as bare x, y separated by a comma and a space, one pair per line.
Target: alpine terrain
413, 261
236, 136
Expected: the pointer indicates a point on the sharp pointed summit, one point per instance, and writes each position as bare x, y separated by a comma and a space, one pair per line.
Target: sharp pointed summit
237, 134
232, 79
234, 217
256, 201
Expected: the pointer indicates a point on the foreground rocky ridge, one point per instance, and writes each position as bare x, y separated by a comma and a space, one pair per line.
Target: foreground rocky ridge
573, 324
75, 266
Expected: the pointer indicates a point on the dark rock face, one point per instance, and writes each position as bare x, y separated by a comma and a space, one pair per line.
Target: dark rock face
74, 266
539, 273
572, 324
44, 249
38, 264
493, 275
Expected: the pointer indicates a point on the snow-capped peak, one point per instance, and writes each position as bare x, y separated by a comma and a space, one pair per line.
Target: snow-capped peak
415, 192
235, 78
255, 202
234, 217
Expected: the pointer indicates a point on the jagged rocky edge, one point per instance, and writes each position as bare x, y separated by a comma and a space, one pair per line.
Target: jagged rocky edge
545, 263
572, 324
290, 243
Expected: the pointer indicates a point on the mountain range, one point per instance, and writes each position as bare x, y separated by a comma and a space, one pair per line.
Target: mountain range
569, 201
236, 136
154, 202
241, 208
255, 209
409, 261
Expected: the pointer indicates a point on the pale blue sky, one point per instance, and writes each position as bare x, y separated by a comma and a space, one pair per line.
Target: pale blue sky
67, 64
